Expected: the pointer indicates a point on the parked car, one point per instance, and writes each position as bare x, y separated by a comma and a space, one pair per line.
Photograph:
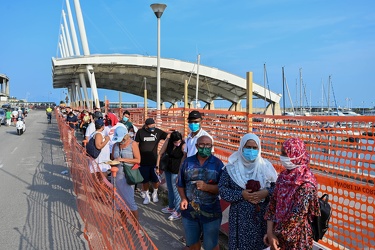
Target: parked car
6, 106
2, 117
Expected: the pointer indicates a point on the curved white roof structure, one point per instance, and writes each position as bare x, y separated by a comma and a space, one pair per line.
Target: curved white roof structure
126, 73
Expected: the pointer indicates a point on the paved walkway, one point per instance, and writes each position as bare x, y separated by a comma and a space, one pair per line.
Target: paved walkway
164, 233
37, 202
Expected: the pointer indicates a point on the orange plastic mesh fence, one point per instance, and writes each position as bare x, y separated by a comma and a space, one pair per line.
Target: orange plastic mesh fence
108, 222
342, 157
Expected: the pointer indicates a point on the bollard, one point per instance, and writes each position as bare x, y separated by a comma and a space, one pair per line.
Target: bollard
114, 170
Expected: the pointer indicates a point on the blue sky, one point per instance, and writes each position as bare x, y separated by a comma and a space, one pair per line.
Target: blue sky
335, 37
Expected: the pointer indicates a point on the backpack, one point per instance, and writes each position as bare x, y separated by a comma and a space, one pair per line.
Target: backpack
319, 224
91, 149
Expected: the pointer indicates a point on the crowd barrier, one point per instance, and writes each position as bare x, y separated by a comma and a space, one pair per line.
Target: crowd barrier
342, 158
108, 222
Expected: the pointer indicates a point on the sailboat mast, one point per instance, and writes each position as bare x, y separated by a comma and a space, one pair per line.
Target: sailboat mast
329, 88
282, 69
300, 91
265, 90
322, 96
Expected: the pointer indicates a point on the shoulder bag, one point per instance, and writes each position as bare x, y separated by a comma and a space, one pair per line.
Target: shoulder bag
91, 149
132, 174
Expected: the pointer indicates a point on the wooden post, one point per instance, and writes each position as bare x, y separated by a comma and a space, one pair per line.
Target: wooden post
186, 112
249, 100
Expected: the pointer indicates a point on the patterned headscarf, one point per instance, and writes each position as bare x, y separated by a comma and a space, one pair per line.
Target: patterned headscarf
296, 150
290, 180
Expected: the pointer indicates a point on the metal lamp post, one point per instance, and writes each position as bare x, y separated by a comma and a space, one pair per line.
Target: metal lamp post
91, 70
158, 9
363, 107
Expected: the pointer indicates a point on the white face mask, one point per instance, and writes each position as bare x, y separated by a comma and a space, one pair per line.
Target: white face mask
286, 162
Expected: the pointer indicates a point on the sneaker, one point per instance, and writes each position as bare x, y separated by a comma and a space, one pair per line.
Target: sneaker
155, 197
167, 210
147, 199
175, 216
143, 194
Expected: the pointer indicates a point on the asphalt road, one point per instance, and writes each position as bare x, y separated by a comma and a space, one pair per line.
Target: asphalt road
38, 208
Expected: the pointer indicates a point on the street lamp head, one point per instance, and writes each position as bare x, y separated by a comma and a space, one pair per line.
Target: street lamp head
158, 9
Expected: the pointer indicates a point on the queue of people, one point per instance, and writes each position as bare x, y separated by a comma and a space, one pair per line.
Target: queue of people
267, 209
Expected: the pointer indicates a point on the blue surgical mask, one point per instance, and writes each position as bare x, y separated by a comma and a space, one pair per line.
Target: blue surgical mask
125, 119
250, 154
194, 127
152, 130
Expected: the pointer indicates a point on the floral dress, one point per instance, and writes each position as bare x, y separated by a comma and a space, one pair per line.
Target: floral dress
246, 224
295, 232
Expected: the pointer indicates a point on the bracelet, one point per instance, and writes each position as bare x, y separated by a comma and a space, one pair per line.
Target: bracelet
157, 167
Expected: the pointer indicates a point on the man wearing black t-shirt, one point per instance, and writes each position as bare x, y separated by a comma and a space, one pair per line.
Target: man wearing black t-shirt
148, 138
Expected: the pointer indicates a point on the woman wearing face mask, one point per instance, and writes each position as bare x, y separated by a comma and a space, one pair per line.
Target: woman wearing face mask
245, 168
174, 147
294, 200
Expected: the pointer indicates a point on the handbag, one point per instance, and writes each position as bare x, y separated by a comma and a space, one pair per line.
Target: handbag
132, 174
164, 162
254, 186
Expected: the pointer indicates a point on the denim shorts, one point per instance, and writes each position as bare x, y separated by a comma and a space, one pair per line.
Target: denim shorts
210, 230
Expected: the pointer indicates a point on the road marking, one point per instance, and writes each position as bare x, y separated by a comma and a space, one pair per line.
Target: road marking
1, 165
14, 150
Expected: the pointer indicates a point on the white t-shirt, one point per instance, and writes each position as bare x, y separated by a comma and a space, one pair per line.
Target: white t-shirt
104, 155
112, 132
190, 148
90, 129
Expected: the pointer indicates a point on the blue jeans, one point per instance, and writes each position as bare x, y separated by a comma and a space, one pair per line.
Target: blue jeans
174, 198
210, 230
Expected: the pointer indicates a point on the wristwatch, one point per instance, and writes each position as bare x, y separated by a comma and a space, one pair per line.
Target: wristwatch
157, 167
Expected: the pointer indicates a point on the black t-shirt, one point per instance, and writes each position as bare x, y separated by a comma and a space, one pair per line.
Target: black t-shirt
148, 145
69, 119
175, 157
